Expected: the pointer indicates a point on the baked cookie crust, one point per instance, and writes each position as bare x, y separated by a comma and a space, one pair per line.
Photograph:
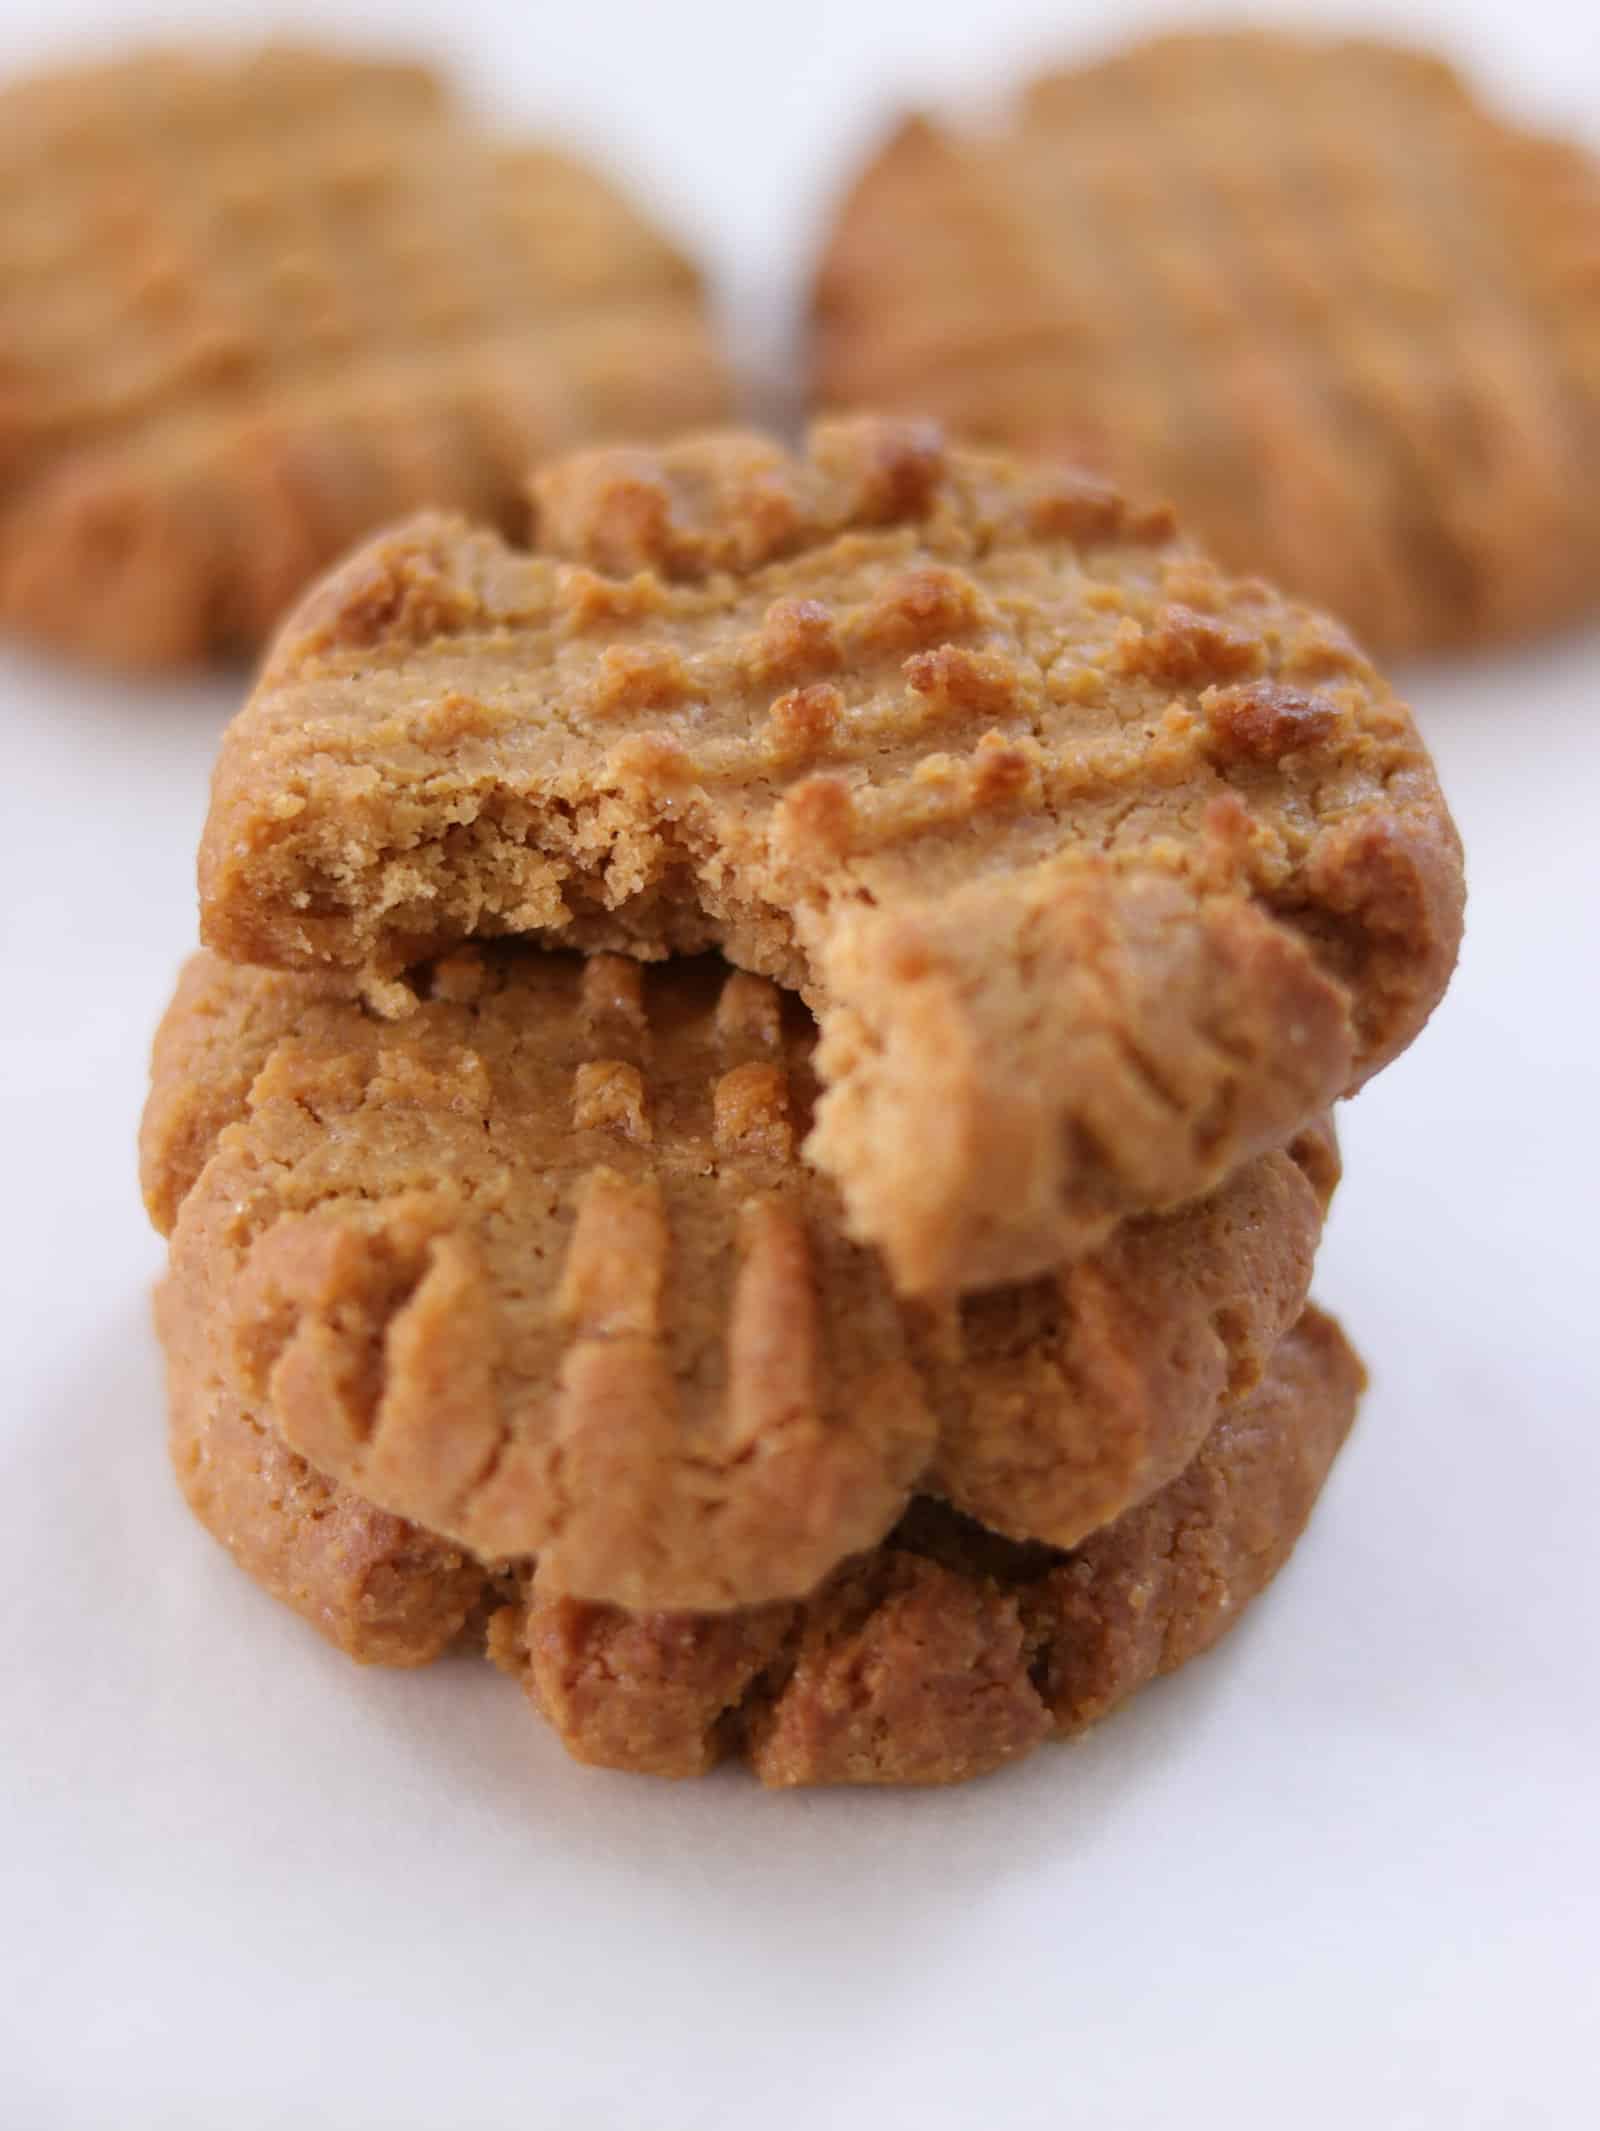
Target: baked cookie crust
253, 307
1103, 872
538, 1267
1343, 314
940, 1655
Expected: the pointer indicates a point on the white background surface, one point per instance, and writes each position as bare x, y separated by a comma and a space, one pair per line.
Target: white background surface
1343, 1872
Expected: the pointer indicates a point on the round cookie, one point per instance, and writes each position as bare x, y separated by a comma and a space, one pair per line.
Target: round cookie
1343, 315
251, 308
941, 1654
538, 1267
1102, 872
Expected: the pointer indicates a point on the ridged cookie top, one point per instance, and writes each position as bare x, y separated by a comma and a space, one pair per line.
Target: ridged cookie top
1345, 317
538, 1267
941, 1653
250, 308
1103, 870
946, 1652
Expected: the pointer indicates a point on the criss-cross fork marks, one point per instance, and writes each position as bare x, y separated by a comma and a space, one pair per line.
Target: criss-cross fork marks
750, 1103
697, 1371
739, 1047
250, 310
540, 1268
440, 1257
614, 1277
945, 1651
974, 654
226, 233
948, 1651
982, 761
1306, 288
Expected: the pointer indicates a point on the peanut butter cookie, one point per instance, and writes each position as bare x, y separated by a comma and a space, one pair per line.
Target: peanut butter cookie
538, 1268
1346, 317
252, 308
939, 1655
384, 1591
1103, 872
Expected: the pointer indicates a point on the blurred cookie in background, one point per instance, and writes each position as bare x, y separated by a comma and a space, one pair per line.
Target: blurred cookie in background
1341, 314
252, 307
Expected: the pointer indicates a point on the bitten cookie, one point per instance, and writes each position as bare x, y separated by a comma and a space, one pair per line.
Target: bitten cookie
1103, 872
939, 1655
1347, 318
252, 308
538, 1267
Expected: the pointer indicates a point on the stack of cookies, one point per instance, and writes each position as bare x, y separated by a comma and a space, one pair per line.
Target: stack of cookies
753, 1125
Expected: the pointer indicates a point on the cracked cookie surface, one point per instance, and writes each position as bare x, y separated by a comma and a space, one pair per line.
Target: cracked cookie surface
1102, 871
539, 1268
252, 308
939, 1655
1346, 317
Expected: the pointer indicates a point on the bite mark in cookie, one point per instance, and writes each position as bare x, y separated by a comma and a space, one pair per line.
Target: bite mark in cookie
1103, 873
